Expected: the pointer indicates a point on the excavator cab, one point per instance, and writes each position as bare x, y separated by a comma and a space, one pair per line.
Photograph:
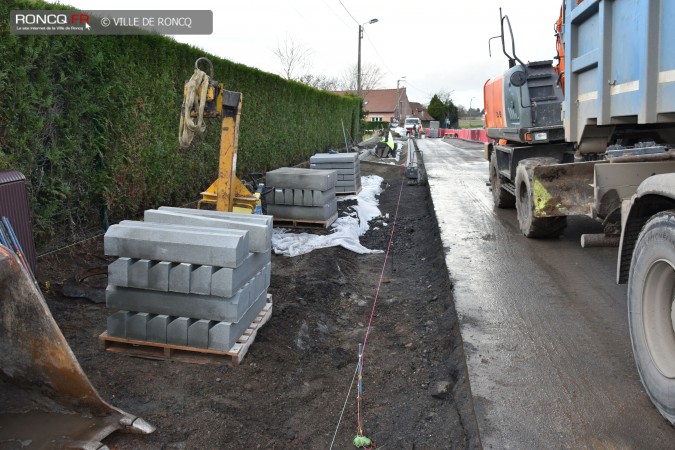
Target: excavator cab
524, 104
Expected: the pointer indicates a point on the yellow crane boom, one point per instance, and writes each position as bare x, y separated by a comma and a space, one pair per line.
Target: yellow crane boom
205, 97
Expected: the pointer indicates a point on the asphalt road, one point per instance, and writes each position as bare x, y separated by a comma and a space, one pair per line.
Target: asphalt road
544, 325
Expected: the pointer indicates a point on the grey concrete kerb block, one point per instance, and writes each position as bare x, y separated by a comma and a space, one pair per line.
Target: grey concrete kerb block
207, 307
260, 231
314, 213
181, 305
118, 271
117, 323
184, 331
239, 217
177, 331
187, 278
223, 335
323, 158
294, 178
225, 281
173, 243
179, 278
156, 329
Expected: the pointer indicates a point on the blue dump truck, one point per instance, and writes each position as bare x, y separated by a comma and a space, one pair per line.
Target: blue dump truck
593, 134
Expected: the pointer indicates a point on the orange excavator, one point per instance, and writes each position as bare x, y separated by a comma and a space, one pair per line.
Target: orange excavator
524, 117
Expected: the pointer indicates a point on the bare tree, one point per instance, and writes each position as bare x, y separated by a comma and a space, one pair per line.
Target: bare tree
321, 82
445, 96
293, 57
371, 77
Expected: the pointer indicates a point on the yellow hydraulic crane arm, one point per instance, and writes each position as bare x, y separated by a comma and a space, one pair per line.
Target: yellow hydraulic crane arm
231, 194
227, 193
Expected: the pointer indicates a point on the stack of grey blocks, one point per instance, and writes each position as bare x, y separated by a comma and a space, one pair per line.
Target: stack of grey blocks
188, 277
302, 194
347, 166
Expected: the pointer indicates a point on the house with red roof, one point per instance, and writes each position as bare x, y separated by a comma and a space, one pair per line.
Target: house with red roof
383, 105
419, 111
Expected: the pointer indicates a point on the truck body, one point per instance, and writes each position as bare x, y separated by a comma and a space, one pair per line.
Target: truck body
594, 135
413, 126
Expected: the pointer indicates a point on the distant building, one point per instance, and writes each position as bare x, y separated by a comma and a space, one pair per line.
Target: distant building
419, 111
383, 105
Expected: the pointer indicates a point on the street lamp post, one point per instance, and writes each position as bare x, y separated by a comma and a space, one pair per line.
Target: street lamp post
398, 99
358, 69
470, 101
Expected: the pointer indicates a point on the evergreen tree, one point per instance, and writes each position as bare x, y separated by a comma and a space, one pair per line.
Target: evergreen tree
437, 109
444, 110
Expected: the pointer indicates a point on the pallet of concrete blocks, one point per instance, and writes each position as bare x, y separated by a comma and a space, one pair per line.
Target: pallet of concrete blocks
347, 166
188, 279
302, 197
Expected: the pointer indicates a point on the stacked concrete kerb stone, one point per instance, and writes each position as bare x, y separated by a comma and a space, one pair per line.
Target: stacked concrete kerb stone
348, 169
188, 277
302, 195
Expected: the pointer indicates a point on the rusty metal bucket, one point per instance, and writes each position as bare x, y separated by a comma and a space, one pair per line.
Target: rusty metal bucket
46, 400
563, 189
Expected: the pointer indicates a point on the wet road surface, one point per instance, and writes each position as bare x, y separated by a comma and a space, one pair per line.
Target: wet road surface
544, 325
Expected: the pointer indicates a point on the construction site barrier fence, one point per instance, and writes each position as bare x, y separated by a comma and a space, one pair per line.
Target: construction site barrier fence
468, 134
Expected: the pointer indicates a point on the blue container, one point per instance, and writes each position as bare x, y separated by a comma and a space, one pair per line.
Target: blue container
619, 63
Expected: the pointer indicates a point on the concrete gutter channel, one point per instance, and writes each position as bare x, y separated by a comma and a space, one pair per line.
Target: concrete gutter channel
462, 389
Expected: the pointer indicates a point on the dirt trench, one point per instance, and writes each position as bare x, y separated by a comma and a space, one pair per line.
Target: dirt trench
290, 389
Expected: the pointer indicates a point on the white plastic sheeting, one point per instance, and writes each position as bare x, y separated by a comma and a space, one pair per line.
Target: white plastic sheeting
345, 231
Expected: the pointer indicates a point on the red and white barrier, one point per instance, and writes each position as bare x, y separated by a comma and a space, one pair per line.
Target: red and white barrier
468, 134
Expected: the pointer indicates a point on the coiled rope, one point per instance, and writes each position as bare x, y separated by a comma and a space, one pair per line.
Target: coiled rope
195, 99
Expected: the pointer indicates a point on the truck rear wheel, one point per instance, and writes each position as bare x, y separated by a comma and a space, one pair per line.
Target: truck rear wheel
531, 226
501, 197
651, 313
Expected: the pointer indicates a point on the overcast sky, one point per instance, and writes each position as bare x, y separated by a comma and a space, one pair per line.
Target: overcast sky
437, 46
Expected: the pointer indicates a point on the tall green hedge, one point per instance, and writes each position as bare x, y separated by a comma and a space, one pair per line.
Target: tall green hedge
92, 121
380, 125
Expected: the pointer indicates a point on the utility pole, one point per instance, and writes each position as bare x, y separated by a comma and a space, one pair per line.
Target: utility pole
358, 66
398, 99
470, 101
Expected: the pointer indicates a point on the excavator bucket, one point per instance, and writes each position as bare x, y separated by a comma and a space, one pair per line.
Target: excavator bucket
46, 400
563, 189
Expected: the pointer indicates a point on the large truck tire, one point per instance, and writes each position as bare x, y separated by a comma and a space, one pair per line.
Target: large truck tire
501, 197
534, 227
651, 317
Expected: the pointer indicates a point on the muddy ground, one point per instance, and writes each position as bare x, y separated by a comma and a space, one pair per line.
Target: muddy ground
290, 389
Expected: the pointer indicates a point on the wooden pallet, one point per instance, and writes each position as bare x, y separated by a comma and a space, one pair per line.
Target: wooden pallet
156, 350
357, 192
296, 223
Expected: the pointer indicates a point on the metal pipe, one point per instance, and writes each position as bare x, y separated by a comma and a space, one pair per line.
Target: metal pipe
599, 240
344, 134
640, 158
16, 245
